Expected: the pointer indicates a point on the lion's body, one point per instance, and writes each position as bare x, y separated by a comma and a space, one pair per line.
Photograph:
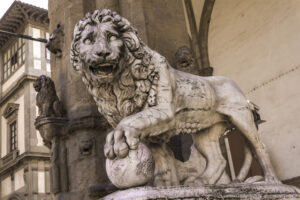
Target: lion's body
145, 99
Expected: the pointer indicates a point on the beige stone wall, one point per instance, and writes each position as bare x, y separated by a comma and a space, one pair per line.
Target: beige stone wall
19, 179
3, 136
257, 44
13, 79
21, 124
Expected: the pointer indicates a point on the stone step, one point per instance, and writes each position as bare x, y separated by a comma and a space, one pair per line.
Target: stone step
255, 191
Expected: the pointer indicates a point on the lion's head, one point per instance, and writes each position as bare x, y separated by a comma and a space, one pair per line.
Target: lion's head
43, 82
100, 41
184, 60
114, 63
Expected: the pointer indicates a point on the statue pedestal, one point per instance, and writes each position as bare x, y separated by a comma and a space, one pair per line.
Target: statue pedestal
256, 191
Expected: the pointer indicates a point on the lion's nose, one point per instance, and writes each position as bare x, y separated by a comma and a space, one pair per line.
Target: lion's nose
103, 53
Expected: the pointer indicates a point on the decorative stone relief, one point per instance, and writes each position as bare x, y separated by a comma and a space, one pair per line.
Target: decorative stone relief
10, 109
56, 41
184, 60
147, 101
86, 144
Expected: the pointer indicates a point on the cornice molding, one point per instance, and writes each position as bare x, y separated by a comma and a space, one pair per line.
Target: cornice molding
12, 90
22, 158
10, 109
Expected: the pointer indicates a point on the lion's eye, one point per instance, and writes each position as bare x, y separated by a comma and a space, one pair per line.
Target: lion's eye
89, 39
112, 37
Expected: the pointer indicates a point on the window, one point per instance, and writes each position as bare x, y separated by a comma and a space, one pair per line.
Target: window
13, 136
41, 182
36, 33
47, 54
14, 58
6, 186
11, 144
19, 179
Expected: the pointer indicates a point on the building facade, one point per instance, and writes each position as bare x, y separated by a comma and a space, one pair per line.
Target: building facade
24, 163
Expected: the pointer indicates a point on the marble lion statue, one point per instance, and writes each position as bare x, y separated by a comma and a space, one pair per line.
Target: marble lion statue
146, 100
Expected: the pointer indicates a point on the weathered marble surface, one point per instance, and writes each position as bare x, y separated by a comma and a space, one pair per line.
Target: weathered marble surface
137, 167
145, 99
257, 191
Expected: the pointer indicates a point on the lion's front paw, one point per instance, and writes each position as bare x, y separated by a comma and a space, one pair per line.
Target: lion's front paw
120, 141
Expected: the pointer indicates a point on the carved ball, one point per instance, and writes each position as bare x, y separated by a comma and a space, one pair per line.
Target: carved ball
135, 169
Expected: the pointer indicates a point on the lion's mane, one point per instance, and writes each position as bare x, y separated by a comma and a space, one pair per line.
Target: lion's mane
135, 86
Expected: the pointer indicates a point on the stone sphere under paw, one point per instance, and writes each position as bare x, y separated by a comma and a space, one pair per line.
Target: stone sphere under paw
135, 169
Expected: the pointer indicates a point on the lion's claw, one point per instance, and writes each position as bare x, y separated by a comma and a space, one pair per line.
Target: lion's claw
121, 149
109, 152
132, 143
119, 141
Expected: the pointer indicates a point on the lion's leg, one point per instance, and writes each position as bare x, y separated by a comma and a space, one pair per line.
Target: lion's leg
165, 173
243, 120
207, 142
46, 109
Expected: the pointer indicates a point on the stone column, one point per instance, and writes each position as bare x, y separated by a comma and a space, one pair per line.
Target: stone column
161, 24
83, 170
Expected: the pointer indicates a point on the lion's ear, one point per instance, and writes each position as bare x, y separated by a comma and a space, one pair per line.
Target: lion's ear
131, 41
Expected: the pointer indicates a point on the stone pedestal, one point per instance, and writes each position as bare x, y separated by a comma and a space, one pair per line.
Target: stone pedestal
257, 191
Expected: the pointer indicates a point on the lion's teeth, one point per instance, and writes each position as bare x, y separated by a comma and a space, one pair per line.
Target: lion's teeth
104, 69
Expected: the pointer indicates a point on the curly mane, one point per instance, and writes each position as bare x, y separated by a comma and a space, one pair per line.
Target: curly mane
135, 85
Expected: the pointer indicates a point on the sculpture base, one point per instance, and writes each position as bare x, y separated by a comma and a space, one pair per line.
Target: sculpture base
256, 191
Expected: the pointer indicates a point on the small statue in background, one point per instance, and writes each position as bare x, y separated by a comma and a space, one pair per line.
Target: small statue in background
46, 98
184, 60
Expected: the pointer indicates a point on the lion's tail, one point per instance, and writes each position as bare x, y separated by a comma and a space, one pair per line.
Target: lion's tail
246, 164
247, 151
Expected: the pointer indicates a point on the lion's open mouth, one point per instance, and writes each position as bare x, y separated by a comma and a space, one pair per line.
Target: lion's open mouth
102, 69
